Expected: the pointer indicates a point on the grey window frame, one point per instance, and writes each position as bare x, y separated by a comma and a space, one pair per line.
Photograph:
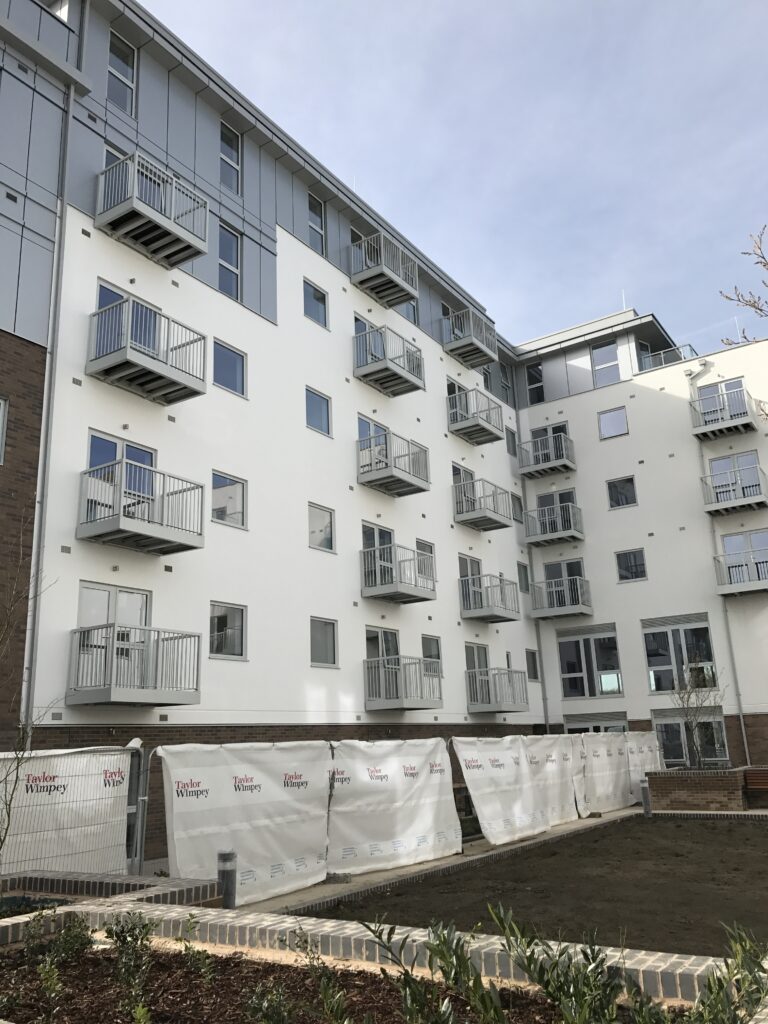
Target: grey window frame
534, 387
332, 512
605, 412
131, 86
238, 167
409, 304
510, 438
326, 320
321, 232
706, 719
4, 407
522, 567
228, 266
589, 641
535, 657
237, 351
335, 624
329, 400
237, 480
677, 648
618, 480
244, 633
439, 659
517, 507
631, 579
604, 366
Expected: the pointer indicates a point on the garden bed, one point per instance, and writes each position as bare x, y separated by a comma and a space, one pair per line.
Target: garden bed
659, 884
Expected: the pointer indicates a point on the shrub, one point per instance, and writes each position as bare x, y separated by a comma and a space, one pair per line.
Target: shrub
131, 936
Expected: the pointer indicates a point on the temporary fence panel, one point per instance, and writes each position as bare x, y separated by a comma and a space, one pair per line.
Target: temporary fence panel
552, 764
644, 756
606, 771
68, 812
392, 804
266, 801
499, 780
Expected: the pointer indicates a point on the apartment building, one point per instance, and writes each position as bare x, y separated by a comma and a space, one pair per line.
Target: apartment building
297, 485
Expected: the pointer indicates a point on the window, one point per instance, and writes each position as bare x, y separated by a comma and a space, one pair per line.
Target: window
507, 379
613, 423
523, 580
315, 304
534, 377
322, 642
605, 364
745, 557
733, 477
631, 565
511, 437
121, 74
532, 664
589, 666
425, 563
679, 742
3, 420
112, 156
229, 262
517, 508
229, 160
316, 224
228, 499
487, 378
409, 310
622, 492
228, 368
318, 411
678, 657
432, 655
227, 631
322, 534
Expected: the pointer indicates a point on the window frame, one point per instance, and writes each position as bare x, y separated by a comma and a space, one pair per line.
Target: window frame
510, 438
537, 677
320, 232
335, 624
131, 86
326, 398
517, 507
618, 480
708, 718
222, 263
589, 640
631, 579
4, 407
317, 547
535, 386
439, 659
237, 351
605, 412
326, 320
243, 636
237, 480
604, 366
681, 647
237, 167
525, 568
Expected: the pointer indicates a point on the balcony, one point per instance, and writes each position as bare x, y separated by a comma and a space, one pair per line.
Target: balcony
552, 598
134, 506
44, 37
475, 417
552, 454
554, 523
740, 573
489, 599
666, 357
137, 348
496, 690
114, 664
383, 269
402, 683
392, 464
145, 206
395, 573
388, 362
470, 338
730, 412
481, 505
734, 490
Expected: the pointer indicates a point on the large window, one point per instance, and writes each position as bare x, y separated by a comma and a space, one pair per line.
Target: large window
605, 364
534, 377
322, 640
315, 304
318, 411
229, 368
678, 657
3, 422
631, 565
227, 631
432, 655
322, 534
680, 741
229, 159
228, 499
612, 423
589, 666
121, 75
745, 557
622, 492
317, 224
229, 262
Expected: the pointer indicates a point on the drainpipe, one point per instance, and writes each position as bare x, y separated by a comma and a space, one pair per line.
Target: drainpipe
536, 622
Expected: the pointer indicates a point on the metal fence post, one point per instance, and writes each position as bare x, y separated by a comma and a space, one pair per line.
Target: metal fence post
645, 793
227, 871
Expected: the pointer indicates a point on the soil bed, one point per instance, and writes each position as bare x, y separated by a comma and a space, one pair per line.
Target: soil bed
664, 885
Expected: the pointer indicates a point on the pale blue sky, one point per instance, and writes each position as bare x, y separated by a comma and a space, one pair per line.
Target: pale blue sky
546, 153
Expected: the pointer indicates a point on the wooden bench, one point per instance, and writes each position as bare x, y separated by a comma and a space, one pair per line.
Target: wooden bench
756, 778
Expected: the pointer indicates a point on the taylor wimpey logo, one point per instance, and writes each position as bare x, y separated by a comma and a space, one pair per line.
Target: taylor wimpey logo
44, 783
190, 789
496, 762
294, 780
339, 776
436, 768
550, 759
113, 777
377, 775
245, 784
472, 764
410, 771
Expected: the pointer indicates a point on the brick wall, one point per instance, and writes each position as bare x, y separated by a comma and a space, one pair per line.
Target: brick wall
697, 791
22, 380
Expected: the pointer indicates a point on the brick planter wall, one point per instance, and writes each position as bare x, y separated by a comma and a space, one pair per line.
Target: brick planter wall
697, 790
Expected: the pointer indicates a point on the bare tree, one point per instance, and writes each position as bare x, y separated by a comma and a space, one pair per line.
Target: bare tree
696, 699
753, 301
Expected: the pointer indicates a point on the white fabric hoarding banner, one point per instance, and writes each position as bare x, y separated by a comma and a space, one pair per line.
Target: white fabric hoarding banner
606, 771
552, 765
69, 811
499, 780
266, 801
392, 804
644, 756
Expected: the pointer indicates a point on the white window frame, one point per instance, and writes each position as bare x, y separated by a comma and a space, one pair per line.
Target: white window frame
517, 507
633, 579
335, 624
131, 86
320, 231
229, 657
329, 400
237, 480
617, 480
669, 630
326, 325
237, 351
604, 412
322, 508
228, 266
583, 641
409, 304
238, 167
439, 659
4, 406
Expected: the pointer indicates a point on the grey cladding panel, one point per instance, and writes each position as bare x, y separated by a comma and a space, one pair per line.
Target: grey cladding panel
207, 146
45, 144
35, 279
181, 123
10, 250
96, 55
300, 209
15, 118
266, 164
269, 285
153, 105
333, 240
284, 196
250, 275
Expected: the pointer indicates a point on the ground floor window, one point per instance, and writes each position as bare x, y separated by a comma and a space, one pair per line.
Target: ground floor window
685, 743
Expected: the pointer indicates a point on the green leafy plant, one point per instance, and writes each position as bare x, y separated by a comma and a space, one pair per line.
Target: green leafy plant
34, 935
448, 952
141, 1015
269, 1006
198, 961
332, 997
74, 939
131, 936
52, 986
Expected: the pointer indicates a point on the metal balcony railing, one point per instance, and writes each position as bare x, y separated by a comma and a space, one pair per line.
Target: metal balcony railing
488, 592
469, 337
475, 404
723, 409
553, 519
736, 486
653, 360
390, 451
401, 681
392, 565
131, 325
491, 689
542, 452
134, 664
743, 569
382, 267
473, 497
566, 593
381, 345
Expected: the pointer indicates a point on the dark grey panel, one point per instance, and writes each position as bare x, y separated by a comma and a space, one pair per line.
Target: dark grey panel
45, 144
34, 295
300, 209
86, 159
207, 138
181, 124
284, 196
265, 164
250, 275
269, 285
10, 250
96, 55
153, 103
15, 118
39, 219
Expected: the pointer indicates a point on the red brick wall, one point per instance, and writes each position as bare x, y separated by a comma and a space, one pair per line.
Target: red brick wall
22, 381
697, 791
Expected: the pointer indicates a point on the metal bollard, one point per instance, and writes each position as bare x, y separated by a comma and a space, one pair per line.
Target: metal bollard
645, 793
227, 865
